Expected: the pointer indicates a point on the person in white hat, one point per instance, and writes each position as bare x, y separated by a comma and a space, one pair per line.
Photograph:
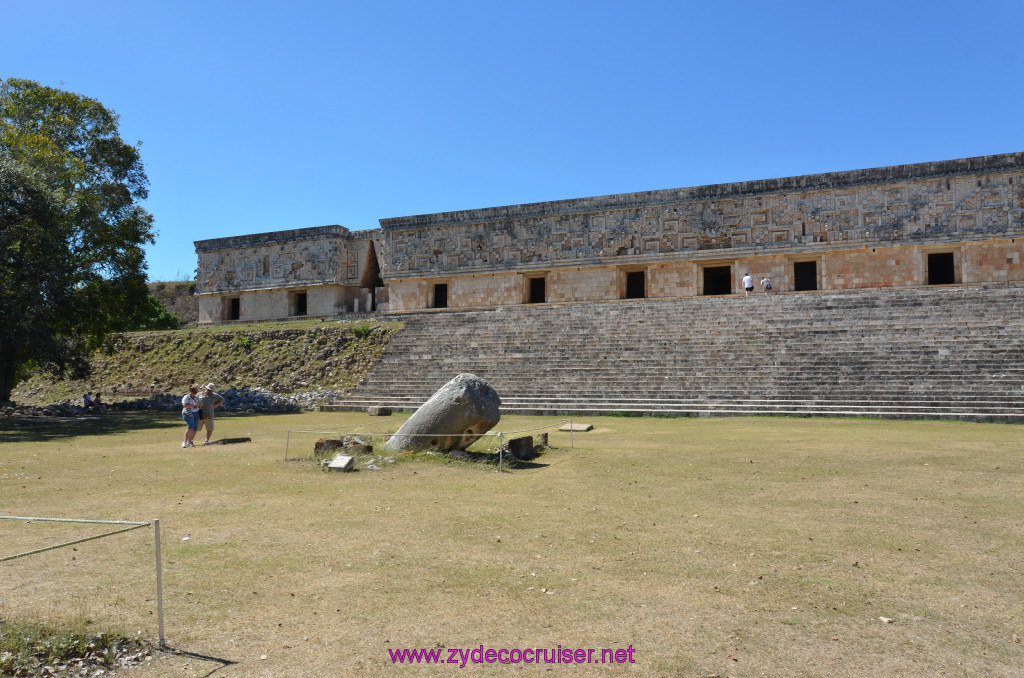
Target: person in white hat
207, 403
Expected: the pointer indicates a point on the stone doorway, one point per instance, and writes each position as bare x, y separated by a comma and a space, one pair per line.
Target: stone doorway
717, 280
636, 285
941, 268
538, 291
441, 295
370, 280
298, 303
805, 276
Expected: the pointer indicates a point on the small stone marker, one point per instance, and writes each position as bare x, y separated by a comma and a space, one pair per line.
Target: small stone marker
377, 411
342, 463
577, 427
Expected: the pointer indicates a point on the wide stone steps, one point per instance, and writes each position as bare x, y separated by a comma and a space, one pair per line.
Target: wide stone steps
567, 405
928, 352
754, 390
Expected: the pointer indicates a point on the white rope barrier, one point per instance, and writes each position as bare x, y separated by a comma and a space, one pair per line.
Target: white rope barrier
500, 435
36, 519
131, 525
70, 543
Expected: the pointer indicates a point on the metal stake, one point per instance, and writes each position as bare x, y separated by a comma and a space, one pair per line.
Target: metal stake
159, 585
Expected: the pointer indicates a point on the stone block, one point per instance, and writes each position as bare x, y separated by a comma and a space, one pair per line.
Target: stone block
377, 411
326, 446
348, 445
522, 448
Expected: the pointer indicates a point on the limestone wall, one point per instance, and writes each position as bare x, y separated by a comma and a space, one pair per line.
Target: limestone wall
997, 260
332, 268
954, 200
301, 257
865, 228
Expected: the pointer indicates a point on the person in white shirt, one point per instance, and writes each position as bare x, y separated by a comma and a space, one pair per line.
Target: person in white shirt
190, 413
748, 284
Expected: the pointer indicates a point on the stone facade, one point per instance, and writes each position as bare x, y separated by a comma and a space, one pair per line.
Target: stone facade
957, 221
322, 271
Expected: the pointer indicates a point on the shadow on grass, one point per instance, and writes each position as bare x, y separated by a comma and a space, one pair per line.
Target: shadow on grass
526, 465
42, 429
224, 663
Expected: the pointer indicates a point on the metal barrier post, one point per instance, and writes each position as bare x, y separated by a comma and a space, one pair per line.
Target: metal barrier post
159, 584
571, 445
287, 439
501, 452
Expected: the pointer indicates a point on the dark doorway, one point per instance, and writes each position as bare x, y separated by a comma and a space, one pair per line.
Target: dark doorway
234, 308
441, 295
940, 269
538, 291
636, 285
299, 304
805, 276
371, 279
717, 280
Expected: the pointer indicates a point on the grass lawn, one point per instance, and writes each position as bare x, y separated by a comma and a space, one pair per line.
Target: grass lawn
728, 547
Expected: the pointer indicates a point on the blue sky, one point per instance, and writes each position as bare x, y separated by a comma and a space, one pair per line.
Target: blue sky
263, 116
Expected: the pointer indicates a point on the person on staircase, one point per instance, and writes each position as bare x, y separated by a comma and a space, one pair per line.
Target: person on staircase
748, 284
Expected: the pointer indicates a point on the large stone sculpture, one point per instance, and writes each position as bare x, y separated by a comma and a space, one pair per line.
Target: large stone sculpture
453, 419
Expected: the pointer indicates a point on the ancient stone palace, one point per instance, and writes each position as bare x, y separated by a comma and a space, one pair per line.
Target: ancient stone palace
939, 223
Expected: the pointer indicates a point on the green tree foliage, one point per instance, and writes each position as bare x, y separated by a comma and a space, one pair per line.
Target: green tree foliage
155, 316
72, 266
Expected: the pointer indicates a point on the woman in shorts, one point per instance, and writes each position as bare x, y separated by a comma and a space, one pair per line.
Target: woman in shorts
748, 284
190, 413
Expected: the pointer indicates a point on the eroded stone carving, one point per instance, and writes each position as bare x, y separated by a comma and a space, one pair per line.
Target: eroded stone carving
454, 418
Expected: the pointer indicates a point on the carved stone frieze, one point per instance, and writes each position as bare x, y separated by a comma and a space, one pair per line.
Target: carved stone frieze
972, 198
310, 256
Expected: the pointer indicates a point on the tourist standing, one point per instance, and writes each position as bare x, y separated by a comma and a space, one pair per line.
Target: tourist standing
98, 404
207, 403
748, 284
190, 413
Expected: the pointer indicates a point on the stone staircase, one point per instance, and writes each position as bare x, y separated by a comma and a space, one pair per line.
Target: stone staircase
953, 352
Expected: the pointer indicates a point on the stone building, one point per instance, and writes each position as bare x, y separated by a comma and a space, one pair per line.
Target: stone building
321, 271
948, 222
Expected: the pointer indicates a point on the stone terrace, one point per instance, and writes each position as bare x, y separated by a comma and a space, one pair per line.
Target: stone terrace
939, 352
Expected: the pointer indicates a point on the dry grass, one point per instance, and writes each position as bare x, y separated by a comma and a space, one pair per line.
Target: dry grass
742, 547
